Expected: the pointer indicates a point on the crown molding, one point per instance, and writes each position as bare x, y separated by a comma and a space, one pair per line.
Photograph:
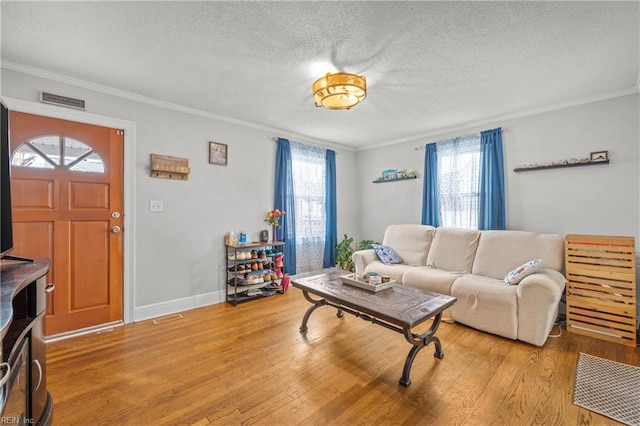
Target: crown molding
37, 72
498, 119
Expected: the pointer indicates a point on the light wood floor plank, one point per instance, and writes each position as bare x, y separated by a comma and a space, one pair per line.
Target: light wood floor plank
250, 365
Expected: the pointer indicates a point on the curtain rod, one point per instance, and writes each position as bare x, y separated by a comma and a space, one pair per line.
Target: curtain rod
418, 148
275, 139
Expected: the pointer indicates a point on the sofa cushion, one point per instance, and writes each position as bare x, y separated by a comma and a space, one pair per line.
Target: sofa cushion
430, 279
453, 249
516, 275
500, 251
395, 272
486, 304
386, 254
410, 241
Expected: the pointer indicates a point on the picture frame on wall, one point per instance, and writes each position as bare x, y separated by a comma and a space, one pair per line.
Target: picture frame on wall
599, 156
218, 153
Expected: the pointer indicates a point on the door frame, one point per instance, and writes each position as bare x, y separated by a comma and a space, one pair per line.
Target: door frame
129, 127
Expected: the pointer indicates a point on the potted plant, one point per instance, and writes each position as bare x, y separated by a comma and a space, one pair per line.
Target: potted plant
344, 252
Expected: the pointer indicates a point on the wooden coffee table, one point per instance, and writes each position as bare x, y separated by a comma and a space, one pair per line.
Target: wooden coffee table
398, 308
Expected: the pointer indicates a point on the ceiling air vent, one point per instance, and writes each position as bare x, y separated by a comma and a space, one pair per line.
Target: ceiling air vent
50, 98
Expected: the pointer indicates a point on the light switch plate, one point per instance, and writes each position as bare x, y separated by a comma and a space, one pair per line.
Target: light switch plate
156, 206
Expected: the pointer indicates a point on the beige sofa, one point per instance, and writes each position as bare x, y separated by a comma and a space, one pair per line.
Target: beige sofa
471, 265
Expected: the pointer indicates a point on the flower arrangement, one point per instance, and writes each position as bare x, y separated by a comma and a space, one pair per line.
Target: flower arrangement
273, 217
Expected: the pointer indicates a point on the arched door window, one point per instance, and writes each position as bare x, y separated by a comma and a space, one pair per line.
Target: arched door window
49, 152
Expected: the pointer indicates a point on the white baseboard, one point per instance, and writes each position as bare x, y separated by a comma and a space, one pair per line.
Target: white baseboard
98, 329
146, 312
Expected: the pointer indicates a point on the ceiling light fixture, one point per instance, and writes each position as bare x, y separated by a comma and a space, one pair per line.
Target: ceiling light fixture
339, 91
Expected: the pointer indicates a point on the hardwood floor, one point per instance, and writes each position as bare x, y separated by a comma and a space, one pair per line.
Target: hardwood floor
250, 364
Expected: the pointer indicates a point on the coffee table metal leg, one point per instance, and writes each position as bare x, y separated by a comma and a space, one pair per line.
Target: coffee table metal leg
419, 342
315, 304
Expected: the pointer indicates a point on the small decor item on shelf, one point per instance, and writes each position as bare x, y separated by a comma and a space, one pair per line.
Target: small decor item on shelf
395, 174
231, 239
390, 174
273, 219
599, 156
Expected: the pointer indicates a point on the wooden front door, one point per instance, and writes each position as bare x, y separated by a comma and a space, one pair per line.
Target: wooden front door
67, 197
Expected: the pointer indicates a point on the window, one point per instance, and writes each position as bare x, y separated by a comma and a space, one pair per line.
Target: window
305, 187
464, 182
308, 167
49, 152
459, 181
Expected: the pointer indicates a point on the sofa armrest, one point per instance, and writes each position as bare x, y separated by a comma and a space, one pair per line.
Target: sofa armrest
538, 295
362, 258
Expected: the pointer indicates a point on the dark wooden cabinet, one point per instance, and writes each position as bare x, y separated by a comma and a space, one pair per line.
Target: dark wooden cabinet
24, 398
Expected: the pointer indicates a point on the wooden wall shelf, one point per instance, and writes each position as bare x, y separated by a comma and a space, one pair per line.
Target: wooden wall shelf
393, 180
559, 166
168, 167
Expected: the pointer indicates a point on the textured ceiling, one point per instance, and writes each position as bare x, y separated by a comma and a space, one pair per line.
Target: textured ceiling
429, 65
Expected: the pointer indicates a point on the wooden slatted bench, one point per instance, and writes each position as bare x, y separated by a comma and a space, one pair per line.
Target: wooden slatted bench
601, 287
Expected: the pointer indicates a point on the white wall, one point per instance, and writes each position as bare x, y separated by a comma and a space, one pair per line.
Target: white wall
178, 254
602, 199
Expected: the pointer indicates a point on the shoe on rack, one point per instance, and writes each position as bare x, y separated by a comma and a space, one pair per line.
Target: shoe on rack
285, 282
240, 255
274, 286
262, 255
254, 292
254, 254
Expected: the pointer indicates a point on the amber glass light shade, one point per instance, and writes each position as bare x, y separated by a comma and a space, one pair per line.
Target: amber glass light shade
339, 90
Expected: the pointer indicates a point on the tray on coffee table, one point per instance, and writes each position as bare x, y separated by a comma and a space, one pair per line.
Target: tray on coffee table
353, 280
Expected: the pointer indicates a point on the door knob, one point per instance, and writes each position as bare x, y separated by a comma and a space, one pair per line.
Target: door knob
116, 229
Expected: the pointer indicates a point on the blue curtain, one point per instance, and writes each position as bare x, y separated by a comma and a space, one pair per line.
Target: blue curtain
283, 199
491, 210
331, 235
430, 213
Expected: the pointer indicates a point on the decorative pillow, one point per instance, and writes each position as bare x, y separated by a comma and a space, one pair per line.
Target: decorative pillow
386, 254
515, 276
